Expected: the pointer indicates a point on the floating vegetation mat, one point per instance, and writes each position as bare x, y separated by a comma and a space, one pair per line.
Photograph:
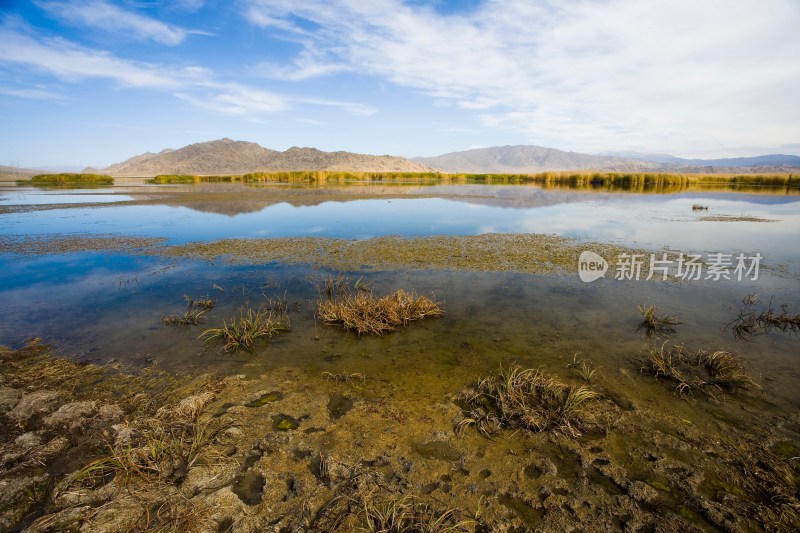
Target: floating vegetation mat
534, 253
61, 244
734, 218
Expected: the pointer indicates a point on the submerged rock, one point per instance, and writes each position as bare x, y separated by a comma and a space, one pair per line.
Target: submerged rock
71, 415
37, 402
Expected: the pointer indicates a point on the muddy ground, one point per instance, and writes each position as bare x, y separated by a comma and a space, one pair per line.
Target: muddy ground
88, 448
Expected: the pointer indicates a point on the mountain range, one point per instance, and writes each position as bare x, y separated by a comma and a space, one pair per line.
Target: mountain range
226, 156
527, 159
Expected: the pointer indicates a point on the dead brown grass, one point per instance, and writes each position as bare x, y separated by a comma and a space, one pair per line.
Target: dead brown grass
520, 398
361, 311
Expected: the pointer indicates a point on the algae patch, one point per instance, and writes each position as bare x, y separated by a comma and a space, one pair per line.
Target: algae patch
533, 253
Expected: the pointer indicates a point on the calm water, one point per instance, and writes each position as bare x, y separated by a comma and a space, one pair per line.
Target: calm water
102, 307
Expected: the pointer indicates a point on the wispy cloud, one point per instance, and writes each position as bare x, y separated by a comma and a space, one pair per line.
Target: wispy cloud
31, 93
196, 85
587, 74
108, 17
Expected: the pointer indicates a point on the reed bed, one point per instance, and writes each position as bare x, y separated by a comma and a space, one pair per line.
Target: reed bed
634, 181
67, 179
359, 310
525, 398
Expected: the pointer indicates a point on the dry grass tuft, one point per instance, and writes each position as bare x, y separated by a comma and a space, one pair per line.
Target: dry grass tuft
158, 448
243, 332
360, 311
655, 323
704, 371
527, 399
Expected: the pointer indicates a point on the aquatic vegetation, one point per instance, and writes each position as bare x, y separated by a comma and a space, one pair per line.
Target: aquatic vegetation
734, 218
633, 181
750, 323
725, 370
67, 179
195, 313
344, 377
362, 312
496, 252
519, 398
242, 332
704, 371
190, 317
584, 368
655, 323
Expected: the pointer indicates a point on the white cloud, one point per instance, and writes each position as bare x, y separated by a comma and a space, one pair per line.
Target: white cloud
195, 85
70, 62
111, 18
30, 93
587, 74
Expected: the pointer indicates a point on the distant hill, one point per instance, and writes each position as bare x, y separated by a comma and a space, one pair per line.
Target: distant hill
17, 172
238, 157
528, 158
770, 160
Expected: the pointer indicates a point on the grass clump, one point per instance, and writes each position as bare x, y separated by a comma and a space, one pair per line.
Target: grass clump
243, 331
654, 323
520, 398
704, 371
361, 311
750, 323
195, 313
584, 368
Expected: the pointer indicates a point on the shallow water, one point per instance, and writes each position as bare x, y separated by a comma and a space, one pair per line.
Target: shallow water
109, 307
101, 307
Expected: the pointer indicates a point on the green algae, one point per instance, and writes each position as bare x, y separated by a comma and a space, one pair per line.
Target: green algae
264, 399
283, 422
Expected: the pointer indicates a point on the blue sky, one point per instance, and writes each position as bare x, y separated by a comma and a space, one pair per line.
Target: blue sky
92, 82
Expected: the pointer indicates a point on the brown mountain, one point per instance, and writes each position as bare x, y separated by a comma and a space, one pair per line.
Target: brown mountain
238, 157
526, 159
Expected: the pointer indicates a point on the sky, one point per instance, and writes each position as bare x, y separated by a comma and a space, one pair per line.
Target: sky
93, 82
